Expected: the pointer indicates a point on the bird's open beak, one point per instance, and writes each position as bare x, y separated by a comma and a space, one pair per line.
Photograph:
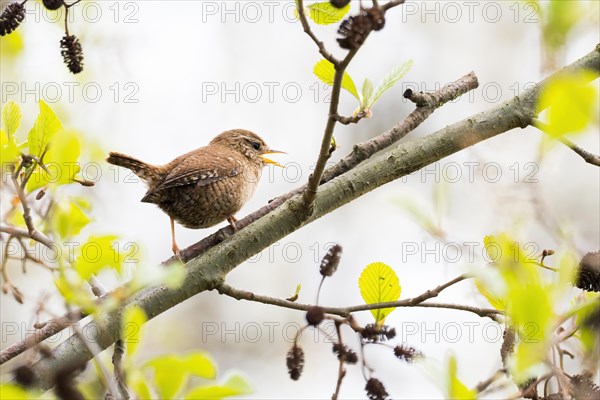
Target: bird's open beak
269, 161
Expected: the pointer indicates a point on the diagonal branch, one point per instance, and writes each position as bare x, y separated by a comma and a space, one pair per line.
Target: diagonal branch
209, 270
360, 153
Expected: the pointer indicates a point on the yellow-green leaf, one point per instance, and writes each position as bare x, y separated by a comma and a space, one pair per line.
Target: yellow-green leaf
138, 384
171, 371
379, 283
11, 118
97, 253
495, 300
133, 320
530, 311
12, 45
68, 219
234, 386
45, 127
560, 17
325, 71
324, 13
572, 102
390, 80
61, 160
13, 391
9, 150
457, 389
367, 93
421, 216
294, 297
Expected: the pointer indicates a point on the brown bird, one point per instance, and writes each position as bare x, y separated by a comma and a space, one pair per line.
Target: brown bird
205, 186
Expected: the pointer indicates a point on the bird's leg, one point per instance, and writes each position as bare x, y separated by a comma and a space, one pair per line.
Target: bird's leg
174, 246
232, 220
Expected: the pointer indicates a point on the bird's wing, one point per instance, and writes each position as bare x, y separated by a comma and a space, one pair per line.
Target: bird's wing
199, 171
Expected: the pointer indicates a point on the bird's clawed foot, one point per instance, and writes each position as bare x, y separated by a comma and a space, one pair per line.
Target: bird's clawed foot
232, 220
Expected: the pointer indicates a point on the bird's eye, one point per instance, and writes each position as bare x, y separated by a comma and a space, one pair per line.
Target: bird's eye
256, 145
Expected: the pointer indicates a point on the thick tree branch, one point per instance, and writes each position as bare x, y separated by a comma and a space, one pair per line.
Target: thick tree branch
360, 153
208, 270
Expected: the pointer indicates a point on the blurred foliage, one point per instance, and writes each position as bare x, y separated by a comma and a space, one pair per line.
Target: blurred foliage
48, 160
11, 46
572, 103
167, 376
559, 18
324, 13
456, 389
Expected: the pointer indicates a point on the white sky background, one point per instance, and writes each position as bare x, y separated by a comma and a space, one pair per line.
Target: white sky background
170, 52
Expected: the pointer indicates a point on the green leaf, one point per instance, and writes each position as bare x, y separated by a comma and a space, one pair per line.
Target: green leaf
495, 300
421, 216
390, 80
457, 389
45, 127
572, 102
12, 391
325, 71
97, 253
67, 220
560, 18
11, 118
133, 320
324, 13
530, 311
147, 274
138, 383
171, 371
234, 386
12, 45
9, 150
379, 283
294, 297
61, 160
367, 92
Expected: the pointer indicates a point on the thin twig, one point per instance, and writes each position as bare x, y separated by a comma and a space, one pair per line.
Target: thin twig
45, 330
341, 369
483, 385
418, 301
95, 350
325, 151
306, 26
119, 374
588, 157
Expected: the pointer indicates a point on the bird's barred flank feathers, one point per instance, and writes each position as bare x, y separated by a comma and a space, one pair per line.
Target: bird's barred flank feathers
11, 18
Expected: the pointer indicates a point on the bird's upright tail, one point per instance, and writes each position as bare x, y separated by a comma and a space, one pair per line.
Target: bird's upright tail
145, 171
